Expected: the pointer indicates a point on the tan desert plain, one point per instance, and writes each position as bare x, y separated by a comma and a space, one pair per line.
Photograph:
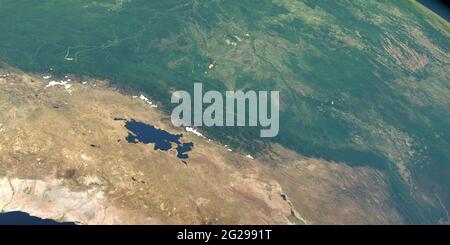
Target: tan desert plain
64, 157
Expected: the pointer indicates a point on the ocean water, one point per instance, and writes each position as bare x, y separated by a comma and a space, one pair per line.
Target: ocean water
22, 218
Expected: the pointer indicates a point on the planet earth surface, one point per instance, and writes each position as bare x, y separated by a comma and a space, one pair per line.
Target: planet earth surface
364, 111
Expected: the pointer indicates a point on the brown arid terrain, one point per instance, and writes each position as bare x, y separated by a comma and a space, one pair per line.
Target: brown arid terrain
64, 157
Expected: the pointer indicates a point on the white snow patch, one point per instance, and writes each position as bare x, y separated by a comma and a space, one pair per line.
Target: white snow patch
65, 84
146, 100
194, 131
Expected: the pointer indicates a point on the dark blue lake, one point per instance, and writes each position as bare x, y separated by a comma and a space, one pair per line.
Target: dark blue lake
140, 132
21, 218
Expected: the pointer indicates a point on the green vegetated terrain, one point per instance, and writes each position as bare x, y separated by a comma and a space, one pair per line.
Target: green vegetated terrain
361, 82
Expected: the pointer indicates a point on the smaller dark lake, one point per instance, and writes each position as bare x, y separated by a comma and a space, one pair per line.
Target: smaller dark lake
22, 218
140, 132
183, 148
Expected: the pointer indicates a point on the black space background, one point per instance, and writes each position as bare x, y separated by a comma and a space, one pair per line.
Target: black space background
439, 7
